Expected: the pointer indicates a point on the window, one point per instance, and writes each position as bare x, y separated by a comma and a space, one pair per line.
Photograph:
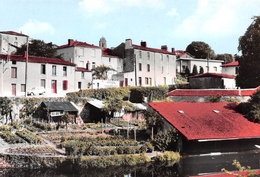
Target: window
82, 74
43, 83
14, 72
65, 85
140, 54
64, 71
79, 85
146, 81
207, 69
14, 62
109, 60
140, 81
22, 87
148, 55
148, 67
161, 56
140, 66
167, 56
54, 70
93, 65
162, 69
215, 69
43, 69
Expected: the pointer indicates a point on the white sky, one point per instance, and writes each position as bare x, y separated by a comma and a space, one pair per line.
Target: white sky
175, 23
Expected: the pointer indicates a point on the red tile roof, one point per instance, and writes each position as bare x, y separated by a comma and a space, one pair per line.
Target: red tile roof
213, 92
199, 121
72, 43
13, 33
152, 49
231, 64
35, 59
214, 75
82, 69
242, 173
108, 53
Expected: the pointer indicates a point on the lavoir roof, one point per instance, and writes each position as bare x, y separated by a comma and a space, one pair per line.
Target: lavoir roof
207, 121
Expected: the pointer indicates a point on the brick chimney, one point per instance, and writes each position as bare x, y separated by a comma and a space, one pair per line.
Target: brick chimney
164, 47
70, 42
173, 50
143, 44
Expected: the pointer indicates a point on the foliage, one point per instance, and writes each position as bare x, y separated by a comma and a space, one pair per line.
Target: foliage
29, 107
153, 120
39, 48
6, 107
200, 50
168, 158
252, 109
248, 172
194, 70
249, 62
187, 71
165, 140
201, 70
10, 137
29, 136
100, 72
227, 58
216, 98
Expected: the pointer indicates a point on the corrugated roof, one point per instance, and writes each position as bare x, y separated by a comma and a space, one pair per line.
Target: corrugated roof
207, 121
214, 75
212, 92
231, 64
36, 59
60, 106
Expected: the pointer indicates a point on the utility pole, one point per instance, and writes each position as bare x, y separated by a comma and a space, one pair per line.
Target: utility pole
26, 64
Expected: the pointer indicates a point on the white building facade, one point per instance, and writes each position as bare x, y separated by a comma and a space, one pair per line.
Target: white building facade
55, 75
208, 65
145, 66
9, 40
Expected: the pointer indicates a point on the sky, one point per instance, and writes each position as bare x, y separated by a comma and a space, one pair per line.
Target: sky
175, 23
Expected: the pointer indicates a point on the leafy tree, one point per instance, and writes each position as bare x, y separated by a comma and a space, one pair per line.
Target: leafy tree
249, 62
201, 70
227, 58
194, 70
39, 48
100, 72
253, 109
29, 107
165, 140
200, 49
6, 108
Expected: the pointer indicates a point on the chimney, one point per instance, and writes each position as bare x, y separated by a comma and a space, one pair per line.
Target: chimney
143, 43
173, 50
70, 42
25, 54
164, 47
128, 43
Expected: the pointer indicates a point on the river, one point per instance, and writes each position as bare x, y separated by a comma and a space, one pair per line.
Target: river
188, 166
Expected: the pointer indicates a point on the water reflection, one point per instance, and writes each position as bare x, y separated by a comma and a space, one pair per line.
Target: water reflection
188, 166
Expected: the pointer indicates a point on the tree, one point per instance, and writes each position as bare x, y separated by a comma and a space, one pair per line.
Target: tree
200, 49
194, 70
39, 48
201, 70
6, 108
100, 72
249, 62
227, 58
253, 107
187, 71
